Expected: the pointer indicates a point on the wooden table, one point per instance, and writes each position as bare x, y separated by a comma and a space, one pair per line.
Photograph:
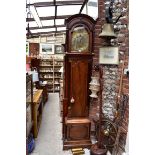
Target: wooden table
37, 109
45, 92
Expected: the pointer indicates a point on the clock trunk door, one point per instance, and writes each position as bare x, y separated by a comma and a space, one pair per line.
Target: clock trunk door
78, 87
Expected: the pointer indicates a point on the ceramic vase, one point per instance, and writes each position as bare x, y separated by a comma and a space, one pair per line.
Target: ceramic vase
94, 87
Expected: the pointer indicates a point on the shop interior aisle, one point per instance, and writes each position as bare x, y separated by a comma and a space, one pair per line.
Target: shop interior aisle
49, 140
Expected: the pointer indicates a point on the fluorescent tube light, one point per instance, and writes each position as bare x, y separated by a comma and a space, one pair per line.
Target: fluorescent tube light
35, 15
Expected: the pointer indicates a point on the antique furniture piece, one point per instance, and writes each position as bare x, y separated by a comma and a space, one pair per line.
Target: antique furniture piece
37, 109
77, 73
35, 63
43, 86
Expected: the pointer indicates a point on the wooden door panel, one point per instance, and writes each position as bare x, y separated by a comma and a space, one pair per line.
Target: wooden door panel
78, 88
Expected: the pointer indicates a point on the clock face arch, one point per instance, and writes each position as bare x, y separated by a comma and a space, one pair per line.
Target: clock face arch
79, 34
80, 40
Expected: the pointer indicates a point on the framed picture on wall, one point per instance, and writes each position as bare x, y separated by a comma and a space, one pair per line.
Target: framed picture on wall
46, 48
109, 55
59, 49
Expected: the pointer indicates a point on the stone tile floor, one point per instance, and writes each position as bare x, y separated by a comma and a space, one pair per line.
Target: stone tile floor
49, 140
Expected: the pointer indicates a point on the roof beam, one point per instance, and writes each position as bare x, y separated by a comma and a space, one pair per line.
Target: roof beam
58, 3
45, 27
50, 32
48, 18
55, 15
55, 12
47, 35
84, 3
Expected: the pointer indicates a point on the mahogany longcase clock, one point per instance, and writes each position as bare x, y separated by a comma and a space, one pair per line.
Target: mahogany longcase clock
78, 67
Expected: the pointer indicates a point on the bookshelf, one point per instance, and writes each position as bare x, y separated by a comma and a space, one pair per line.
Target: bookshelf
49, 70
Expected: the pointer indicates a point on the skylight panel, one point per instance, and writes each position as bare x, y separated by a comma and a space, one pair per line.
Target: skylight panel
47, 22
36, 1
33, 24
93, 8
61, 28
68, 10
46, 11
34, 31
59, 21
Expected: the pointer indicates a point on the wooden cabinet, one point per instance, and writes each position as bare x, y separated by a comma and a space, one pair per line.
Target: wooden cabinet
58, 63
37, 110
45, 92
77, 76
46, 72
74, 129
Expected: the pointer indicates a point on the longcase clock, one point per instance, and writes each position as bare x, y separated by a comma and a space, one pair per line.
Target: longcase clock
78, 67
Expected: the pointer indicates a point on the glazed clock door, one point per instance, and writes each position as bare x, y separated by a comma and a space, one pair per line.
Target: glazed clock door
78, 86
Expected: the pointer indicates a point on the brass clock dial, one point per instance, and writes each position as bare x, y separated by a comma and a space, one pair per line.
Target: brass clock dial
80, 40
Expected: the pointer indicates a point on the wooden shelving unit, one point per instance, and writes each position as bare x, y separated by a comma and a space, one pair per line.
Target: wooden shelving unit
49, 71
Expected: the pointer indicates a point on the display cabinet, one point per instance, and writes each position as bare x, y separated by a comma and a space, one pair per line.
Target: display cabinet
58, 63
77, 76
49, 70
46, 72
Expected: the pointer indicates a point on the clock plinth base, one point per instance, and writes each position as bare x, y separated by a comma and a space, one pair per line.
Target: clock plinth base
77, 133
76, 144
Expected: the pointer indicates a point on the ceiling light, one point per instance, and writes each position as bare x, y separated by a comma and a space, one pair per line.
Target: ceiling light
35, 15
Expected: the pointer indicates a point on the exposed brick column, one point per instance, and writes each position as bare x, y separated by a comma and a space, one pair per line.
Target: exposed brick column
112, 73
98, 42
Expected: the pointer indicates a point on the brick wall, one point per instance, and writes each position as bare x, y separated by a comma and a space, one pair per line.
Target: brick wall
112, 73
